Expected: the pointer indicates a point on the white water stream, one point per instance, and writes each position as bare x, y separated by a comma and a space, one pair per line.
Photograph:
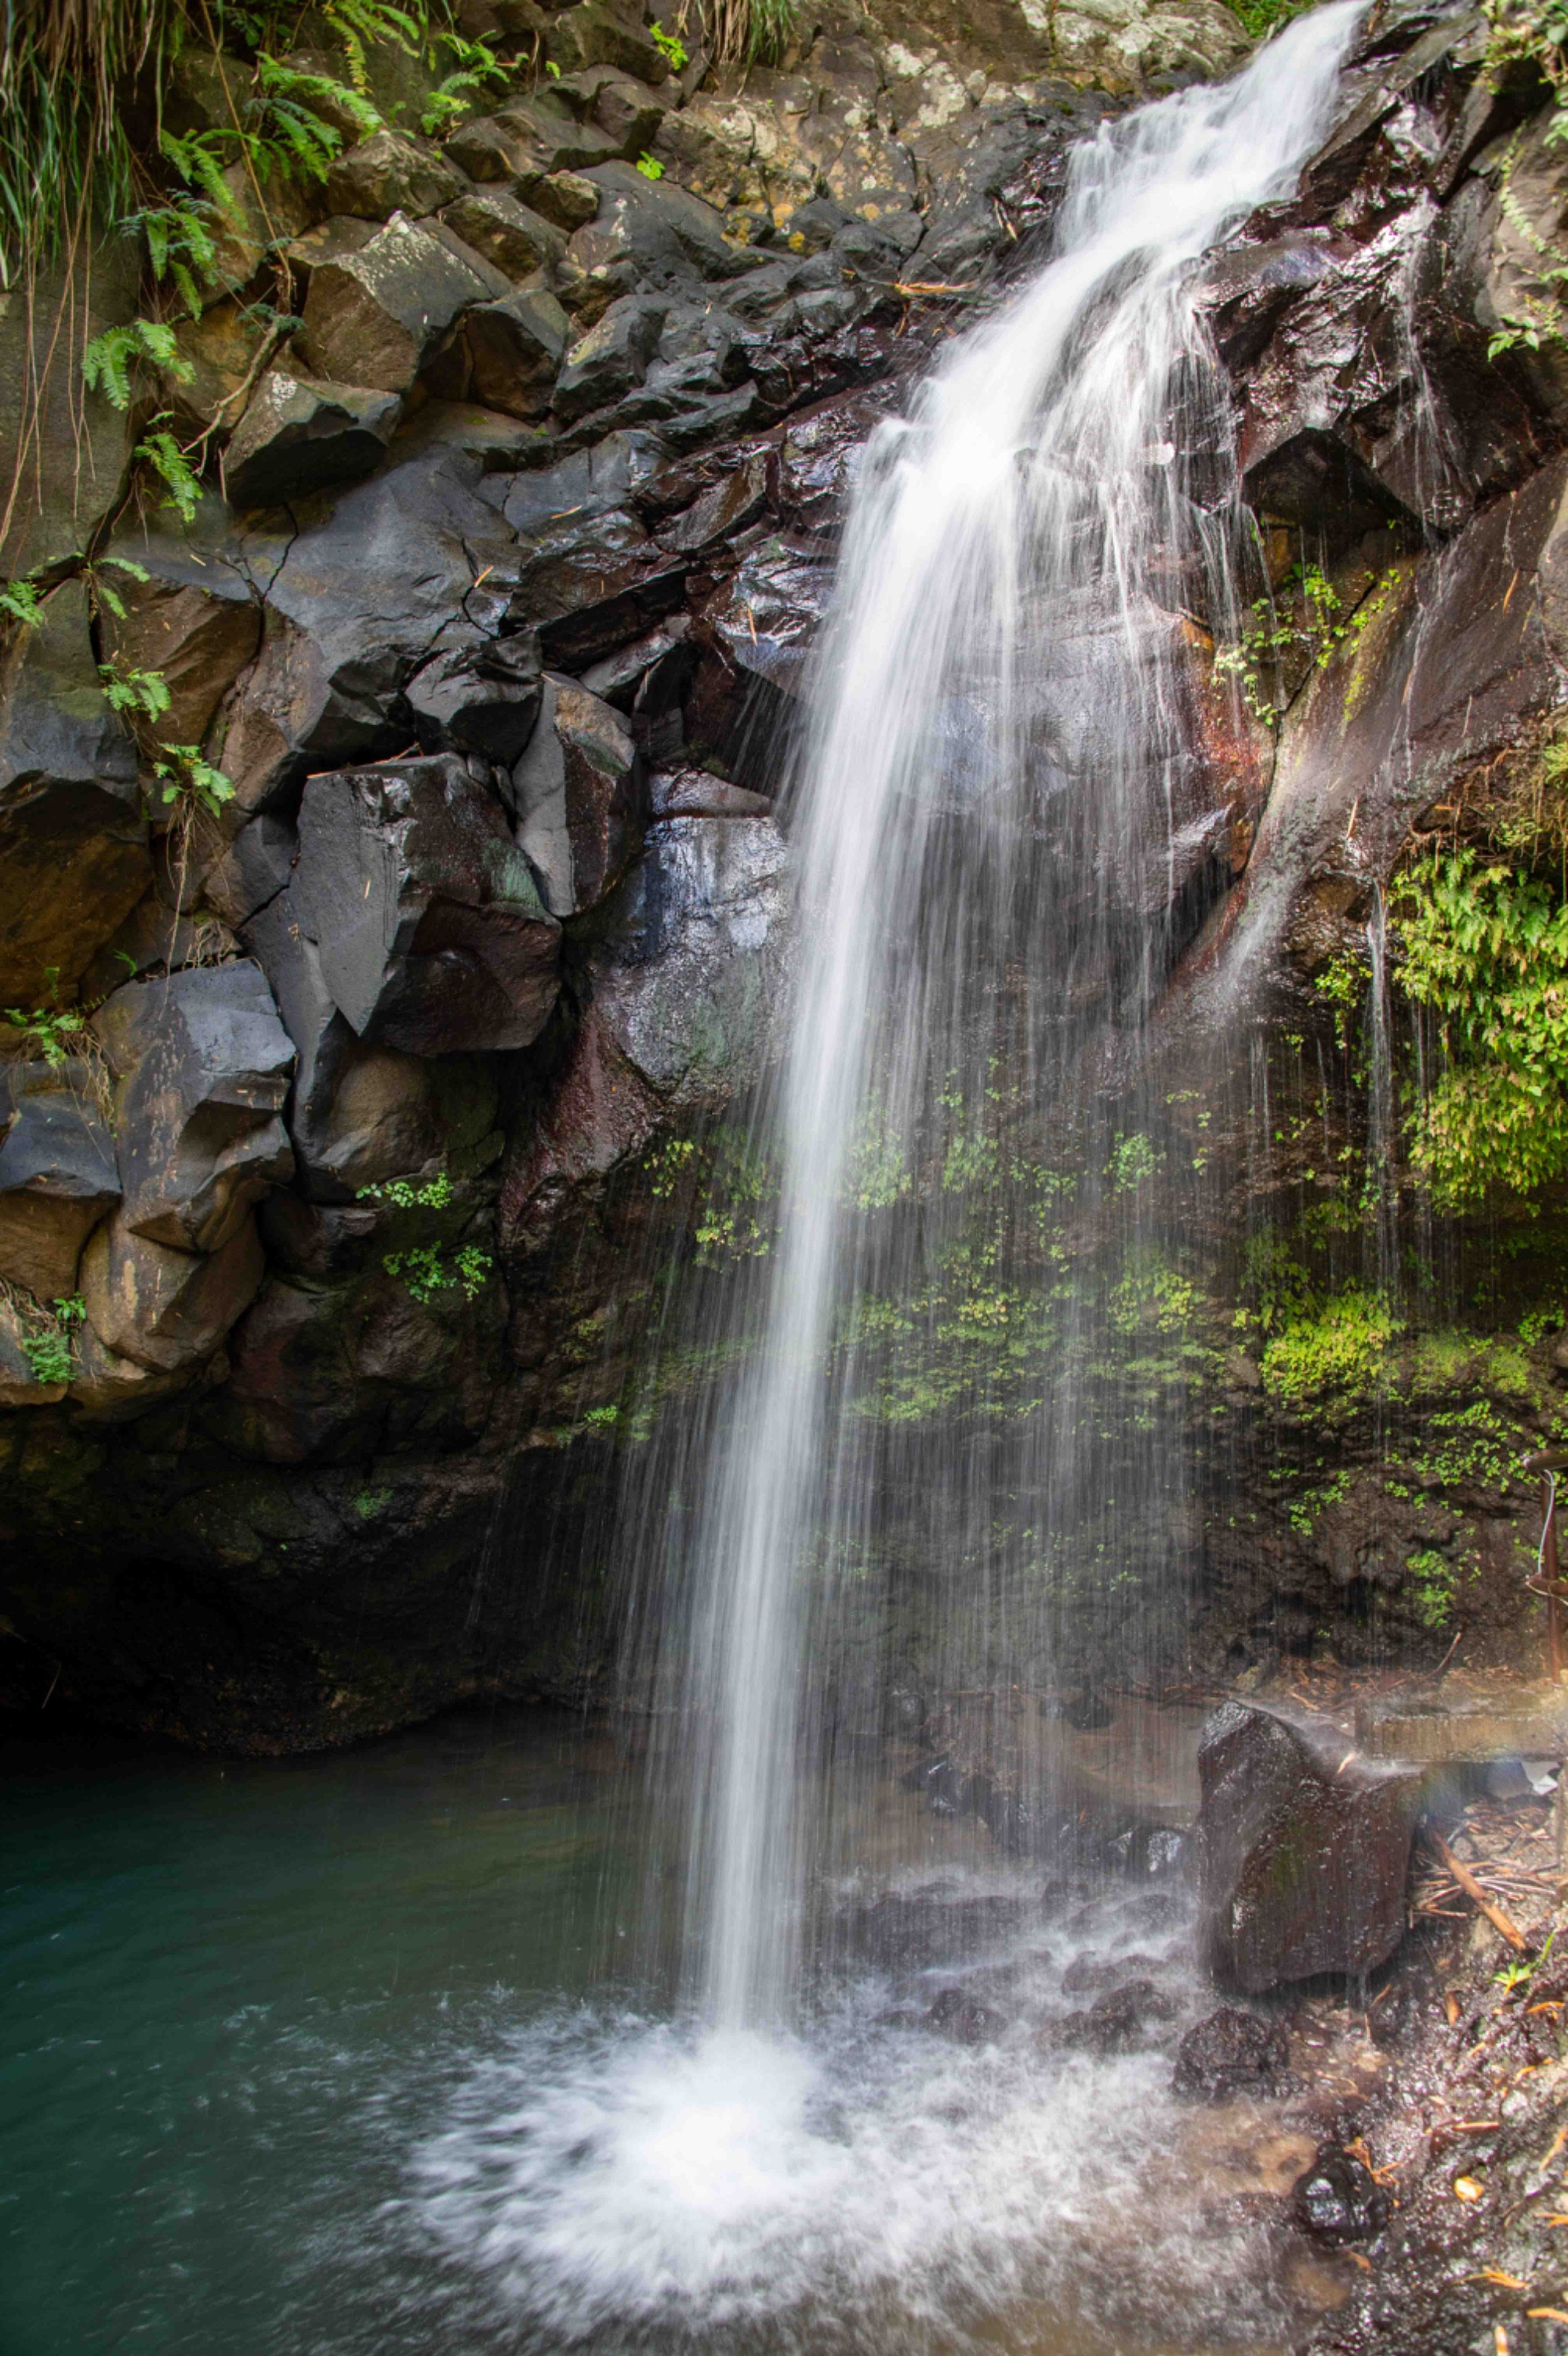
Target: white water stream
994, 799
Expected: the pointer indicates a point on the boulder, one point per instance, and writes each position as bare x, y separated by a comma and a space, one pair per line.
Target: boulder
591, 583
506, 232
605, 32
575, 794
565, 198
962, 2017
166, 1310
514, 350
203, 1066
428, 926
1304, 1851
649, 234
58, 1174
298, 434
254, 868
611, 357
391, 173
362, 596
601, 1112
73, 855
691, 975
1120, 2021
628, 110
1232, 2052
483, 699
373, 318
277, 938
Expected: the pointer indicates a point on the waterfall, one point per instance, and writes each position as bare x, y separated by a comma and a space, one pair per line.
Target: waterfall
998, 816
912, 1460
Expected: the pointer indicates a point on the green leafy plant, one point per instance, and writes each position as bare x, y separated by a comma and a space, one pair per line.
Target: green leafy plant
1484, 945
1304, 619
1519, 1971
48, 1345
426, 1270
160, 451
649, 166
1330, 1350
475, 65
674, 48
1432, 1582
109, 358
141, 694
189, 781
21, 602
403, 1194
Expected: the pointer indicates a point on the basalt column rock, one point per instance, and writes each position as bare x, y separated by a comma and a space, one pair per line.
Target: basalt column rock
58, 1174
430, 931
1304, 1849
204, 1066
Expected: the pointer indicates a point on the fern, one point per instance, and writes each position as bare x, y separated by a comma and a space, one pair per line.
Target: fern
357, 22
107, 362
191, 781
163, 453
142, 694
103, 593
20, 603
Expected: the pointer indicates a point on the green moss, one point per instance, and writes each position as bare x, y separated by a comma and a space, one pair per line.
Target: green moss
1336, 1354
1432, 1584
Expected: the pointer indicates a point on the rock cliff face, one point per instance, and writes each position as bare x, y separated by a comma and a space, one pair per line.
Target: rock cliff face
346, 1124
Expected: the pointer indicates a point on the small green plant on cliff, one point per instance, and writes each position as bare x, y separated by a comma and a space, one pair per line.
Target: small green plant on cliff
475, 65
426, 1269
1434, 1583
1484, 945
1305, 618
674, 48
47, 1340
1525, 32
1330, 1353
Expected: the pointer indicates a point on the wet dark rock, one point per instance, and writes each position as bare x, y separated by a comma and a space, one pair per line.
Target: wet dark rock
390, 173
611, 359
1232, 2052
514, 350
481, 699
727, 508
428, 926
1339, 2200
576, 799
198, 633
962, 2017
1123, 2020
72, 838
692, 793
373, 318
203, 1066
298, 434
911, 1932
1304, 1851
361, 597
693, 964
58, 1174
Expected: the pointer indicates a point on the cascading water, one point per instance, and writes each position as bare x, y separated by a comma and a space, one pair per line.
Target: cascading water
995, 793
938, 1458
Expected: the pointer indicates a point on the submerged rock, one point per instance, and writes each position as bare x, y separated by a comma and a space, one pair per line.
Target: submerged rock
1232, 2052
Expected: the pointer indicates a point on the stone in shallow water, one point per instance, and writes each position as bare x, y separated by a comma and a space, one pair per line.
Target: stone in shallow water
1232, 2052
1303, 1848
1339, 2200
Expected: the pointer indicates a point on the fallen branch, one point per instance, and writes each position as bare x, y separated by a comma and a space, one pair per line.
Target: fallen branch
1499, 1922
